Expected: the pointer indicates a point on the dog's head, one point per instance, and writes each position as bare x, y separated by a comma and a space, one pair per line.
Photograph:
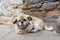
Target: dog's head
23, 22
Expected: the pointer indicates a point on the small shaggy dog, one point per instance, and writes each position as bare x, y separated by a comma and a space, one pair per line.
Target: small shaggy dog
25, 23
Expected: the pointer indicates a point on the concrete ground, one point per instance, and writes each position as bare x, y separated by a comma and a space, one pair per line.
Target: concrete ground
7, 33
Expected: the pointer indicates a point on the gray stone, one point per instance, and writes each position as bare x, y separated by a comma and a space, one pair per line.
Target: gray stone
36, 1
37, 5
50, 5
50, 20
55, 16
50, 0
58, 25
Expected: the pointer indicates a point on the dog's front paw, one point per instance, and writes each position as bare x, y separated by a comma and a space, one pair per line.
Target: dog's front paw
35, 30
22, 33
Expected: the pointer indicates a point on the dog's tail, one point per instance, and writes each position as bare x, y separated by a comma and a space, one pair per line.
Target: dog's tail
49, 28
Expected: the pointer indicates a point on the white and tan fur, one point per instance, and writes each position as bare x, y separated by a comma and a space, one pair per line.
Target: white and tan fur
35, 24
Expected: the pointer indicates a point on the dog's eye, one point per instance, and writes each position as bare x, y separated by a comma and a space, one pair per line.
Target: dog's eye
19, 20
24, 19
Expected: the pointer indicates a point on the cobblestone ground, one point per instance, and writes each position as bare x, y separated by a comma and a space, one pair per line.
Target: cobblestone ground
7, 33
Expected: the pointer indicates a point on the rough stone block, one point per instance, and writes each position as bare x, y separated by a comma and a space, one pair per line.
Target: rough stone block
37, 5
36, 1
50, 5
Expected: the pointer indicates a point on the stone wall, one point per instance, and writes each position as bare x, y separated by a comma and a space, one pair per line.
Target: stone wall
42, 8
38, 8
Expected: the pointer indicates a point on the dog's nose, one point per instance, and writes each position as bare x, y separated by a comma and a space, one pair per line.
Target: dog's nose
22, 22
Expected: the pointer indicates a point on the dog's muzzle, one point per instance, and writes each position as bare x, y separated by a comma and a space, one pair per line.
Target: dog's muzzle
23, 26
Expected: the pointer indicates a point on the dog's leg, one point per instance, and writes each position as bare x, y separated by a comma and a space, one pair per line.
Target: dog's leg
34, 30
40, 28
16, 28
37, 28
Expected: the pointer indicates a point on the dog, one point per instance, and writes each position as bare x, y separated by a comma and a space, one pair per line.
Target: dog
26, 23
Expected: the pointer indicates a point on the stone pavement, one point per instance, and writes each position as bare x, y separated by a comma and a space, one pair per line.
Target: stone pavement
7, 33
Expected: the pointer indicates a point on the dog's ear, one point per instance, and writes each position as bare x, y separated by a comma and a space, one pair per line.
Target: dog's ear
15, 21
29, 18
